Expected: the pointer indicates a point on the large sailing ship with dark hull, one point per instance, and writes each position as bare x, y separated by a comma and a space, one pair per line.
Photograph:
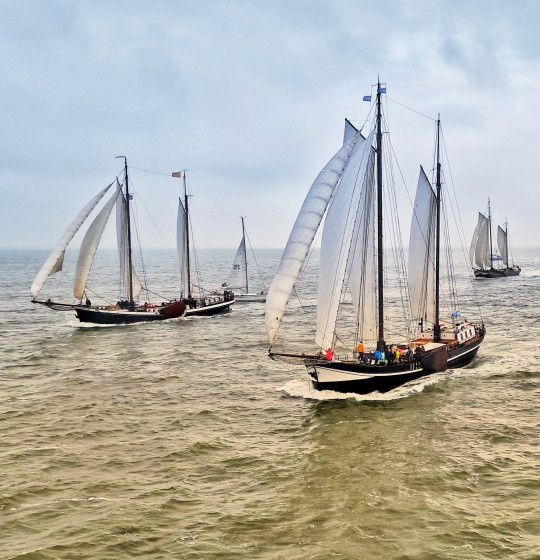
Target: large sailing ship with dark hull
481, 251
348, 193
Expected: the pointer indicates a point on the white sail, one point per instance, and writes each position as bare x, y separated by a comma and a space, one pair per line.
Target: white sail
123, 249
421, 274
502, 243
55, 260
362, 274
301, 237
181, 247
349, 132
336, 240
237, 277
479, 252
89, 245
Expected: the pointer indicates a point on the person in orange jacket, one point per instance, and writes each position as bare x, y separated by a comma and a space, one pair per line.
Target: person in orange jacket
329, 354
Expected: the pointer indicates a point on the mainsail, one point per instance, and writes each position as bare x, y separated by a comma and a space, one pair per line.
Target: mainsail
181, 247
479, 252
337, 238
362, 274
422, 251
237, 277
90, 244
301, 237
123, 248
502, 243
55, 260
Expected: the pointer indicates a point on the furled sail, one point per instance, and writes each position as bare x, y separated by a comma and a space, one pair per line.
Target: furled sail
90, 244
479, 252
55, 260
337, 238
362, 274
181, 248
237, 277
301, 237
123, 249
422, 241
502, 243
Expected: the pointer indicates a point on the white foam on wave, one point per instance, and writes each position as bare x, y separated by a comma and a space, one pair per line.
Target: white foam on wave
302, 388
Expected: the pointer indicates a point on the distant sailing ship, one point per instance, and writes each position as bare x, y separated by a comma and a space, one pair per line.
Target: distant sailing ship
481, 251
204, 303
238, 280
349, 191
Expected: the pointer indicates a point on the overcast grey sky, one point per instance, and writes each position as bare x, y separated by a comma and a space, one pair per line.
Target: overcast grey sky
251, 96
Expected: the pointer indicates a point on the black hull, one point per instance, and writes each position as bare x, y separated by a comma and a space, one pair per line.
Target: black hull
385, 378
496, 272
104, 318
209, 310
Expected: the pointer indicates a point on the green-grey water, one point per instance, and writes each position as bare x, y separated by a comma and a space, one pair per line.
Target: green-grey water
182, 440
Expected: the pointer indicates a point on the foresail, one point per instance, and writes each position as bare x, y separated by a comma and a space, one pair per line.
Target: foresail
421, 274
123, 249
479, 251
337, 238
301, 238
181, 248
362, 274
237, 277
502, 243
89, 245
55, 260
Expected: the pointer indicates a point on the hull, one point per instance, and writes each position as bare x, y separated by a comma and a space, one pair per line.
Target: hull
209, 309
496, 272
354, 377
116, 317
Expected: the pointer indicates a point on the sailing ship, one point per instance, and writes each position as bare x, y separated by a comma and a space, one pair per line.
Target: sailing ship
203, 303
348, 192
128, 309
238, 280
481, 251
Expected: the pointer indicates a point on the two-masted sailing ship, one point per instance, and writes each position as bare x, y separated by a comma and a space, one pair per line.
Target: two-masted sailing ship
238, 280
481, 250
129, 308
197, 302
353, 278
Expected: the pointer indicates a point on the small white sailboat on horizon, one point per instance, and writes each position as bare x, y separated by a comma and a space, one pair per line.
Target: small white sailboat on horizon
238, 280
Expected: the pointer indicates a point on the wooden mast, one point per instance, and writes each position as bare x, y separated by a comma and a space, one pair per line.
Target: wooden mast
490, 238
437, 325
245, 253
128, 220
380, 261
188, 265
506, 243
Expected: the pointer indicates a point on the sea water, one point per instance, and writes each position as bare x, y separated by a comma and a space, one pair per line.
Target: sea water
181, 439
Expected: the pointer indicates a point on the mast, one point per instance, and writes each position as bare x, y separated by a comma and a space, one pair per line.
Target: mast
506, 243
490, 239
245, 253
186, 206
380, 261
128, 220
437, 325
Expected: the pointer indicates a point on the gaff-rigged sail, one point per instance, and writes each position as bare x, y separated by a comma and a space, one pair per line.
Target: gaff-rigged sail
479, 251
336, 240
181, 247
123, 249
55, 260
502, 243
237, 277
90, 244
362, 275
422, 251
301, 238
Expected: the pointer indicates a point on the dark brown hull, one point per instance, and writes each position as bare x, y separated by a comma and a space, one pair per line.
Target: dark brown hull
496, 272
